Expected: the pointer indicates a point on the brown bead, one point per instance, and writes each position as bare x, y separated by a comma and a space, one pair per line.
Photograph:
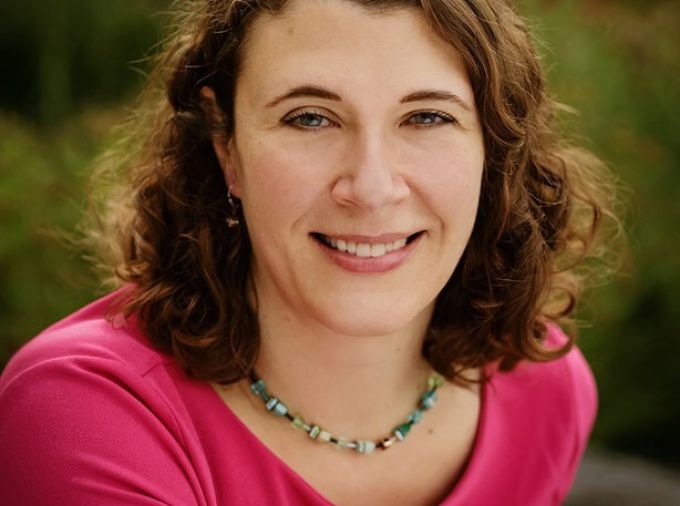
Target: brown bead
386, 443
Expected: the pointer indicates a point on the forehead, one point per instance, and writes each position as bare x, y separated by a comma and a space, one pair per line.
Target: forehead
339, 43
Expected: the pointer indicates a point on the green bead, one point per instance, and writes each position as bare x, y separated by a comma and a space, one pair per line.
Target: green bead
297, 422
314, 432
435, 381
341, 444
402, 430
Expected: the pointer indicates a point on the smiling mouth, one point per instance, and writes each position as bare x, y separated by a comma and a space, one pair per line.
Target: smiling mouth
365, 249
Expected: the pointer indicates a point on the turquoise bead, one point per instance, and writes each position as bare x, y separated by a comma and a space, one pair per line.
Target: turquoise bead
415, 416
258, 387
280, 409
271, 403
428, 399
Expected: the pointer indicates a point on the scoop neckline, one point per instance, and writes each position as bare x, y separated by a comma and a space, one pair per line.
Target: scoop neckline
470, 466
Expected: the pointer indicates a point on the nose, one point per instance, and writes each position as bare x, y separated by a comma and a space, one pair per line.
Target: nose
371, 178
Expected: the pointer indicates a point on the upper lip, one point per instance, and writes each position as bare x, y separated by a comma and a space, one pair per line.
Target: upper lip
370, 239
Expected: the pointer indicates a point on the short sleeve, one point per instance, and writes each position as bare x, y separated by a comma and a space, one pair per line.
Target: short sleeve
89, 429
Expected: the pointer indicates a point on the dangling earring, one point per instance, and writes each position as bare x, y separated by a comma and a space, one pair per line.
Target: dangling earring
232, 220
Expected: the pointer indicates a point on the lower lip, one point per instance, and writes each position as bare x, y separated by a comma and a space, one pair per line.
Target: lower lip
369, 265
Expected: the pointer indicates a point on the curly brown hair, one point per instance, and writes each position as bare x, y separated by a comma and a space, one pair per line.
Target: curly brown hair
159, 201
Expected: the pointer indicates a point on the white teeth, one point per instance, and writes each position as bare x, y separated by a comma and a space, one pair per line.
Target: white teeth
362, 249
377, 250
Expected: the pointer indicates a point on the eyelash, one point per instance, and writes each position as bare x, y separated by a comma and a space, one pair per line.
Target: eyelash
439, 118
290, 118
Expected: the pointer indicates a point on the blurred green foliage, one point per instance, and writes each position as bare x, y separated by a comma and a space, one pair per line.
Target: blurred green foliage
67, 71
60, 54
41, 188
69, 65
617, 63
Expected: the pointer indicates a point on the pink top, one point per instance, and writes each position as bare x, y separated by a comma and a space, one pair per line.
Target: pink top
91, 414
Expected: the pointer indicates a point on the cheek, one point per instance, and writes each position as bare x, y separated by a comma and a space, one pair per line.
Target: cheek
452, 181
277, 187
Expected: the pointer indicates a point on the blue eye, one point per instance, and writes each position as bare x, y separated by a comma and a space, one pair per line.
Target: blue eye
423, 119
307, 119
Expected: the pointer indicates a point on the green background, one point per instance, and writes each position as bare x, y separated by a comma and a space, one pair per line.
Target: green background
70, 68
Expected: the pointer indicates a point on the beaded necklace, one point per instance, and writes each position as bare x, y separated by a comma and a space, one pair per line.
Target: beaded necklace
315, 432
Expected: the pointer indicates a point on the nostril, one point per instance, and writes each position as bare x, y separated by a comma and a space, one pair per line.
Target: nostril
370, 189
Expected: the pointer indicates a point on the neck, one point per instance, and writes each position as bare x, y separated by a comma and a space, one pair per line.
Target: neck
356, 387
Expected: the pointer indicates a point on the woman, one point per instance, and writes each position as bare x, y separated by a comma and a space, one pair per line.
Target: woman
350, 217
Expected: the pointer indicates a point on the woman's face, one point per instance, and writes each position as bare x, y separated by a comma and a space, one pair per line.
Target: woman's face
358, 131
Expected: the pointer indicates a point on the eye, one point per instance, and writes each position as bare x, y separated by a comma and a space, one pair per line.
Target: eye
307, 119
427, 118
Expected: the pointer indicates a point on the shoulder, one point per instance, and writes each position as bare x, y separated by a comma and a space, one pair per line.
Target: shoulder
565, 386
87, 335
573, 376
85, 358
86, 398
543, 412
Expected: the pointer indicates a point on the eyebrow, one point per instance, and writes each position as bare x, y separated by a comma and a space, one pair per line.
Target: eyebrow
445, 96
308, 90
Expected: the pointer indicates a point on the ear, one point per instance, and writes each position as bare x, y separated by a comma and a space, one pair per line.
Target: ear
224, 149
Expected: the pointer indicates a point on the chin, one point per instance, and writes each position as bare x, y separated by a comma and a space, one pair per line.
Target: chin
371, 321
362, 329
